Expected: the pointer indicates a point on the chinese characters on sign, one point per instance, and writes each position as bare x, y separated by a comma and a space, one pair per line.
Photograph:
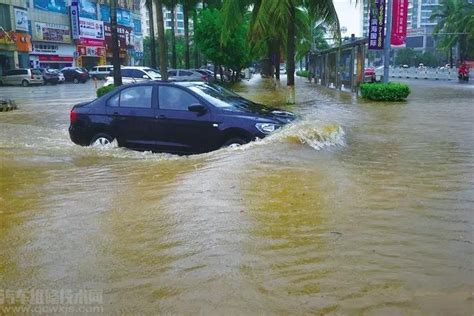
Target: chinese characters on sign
377, 25
399, 23
74, 12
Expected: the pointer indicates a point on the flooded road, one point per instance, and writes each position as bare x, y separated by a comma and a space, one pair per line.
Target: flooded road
358, 208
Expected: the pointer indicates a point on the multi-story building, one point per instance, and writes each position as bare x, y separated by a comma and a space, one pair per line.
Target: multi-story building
37, 33
178, 20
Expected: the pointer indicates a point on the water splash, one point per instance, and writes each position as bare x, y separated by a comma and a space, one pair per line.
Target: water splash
316, 136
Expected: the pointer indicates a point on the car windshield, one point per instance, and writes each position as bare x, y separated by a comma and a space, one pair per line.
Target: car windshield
152, 72
223, 98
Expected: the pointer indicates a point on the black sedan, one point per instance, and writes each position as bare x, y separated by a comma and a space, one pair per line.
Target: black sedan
75, 75
184, 118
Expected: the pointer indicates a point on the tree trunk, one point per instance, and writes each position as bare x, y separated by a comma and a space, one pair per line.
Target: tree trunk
115, 46
290, 57
186, 36
173, 36
195, 49
161, 40
149, 4
276, 49
451, 57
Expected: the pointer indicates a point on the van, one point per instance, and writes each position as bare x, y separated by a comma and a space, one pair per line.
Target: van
100, 72
22, 76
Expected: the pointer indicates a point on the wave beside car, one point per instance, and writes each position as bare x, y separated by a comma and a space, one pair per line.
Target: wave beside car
184, 118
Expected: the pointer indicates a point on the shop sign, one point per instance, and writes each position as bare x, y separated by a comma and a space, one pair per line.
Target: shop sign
124, 17
377, 25
53, 49
23, 42
21, 19
49, 32
55, 58
91, 29
90, 51
125, 36
58, 6
90, 42
399, 23
74, 13
88, 9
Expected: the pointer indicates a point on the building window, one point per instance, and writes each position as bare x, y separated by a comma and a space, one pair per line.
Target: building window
5, 17
180, 24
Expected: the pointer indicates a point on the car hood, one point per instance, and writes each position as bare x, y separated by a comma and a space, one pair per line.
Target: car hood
263, 112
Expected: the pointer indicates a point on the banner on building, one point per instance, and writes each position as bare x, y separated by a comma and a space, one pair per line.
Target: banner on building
92, 51
377, 25
399, 23
21, 19
23, 42
105, 13
75, 26
88, 9
124, 17
125, 38
58, 6
91, 29
49, 32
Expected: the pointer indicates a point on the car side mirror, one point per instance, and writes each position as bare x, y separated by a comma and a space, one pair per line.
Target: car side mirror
145, 77
197, 108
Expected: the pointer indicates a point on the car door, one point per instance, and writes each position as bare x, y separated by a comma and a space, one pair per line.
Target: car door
182, 130
8, 79
133, 117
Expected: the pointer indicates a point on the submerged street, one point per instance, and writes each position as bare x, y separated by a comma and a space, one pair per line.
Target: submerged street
358, 207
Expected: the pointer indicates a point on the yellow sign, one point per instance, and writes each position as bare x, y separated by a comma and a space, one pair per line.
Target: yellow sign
79, 62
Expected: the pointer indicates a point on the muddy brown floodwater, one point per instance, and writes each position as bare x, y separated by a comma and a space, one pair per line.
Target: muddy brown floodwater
358, 208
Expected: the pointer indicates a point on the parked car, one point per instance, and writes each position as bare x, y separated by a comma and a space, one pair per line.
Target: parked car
176, 117
61, 76
49, 76
100, 72
132, 75
208, 75
22, 76
185, 75
369, 74
74, 74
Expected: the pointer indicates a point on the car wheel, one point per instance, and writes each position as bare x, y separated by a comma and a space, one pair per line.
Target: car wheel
234, 142
76, 80
101, 140
25, 83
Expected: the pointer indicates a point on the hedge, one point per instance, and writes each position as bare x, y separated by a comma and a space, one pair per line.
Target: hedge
385, 91
105, 89
302, 73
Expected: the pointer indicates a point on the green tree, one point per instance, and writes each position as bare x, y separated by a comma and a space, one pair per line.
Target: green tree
234, 53
161, 40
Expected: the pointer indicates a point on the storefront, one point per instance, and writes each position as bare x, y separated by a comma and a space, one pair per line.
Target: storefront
52, 47
51, 55
7, 51
91, 45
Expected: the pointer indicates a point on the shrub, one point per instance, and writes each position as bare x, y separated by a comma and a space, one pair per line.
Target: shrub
302, 73
105, 89
385, 91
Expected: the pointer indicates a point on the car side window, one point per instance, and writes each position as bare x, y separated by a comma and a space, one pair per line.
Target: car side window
126, 73
136, 97
185, 73
172, 73
138, 74
171, 98
114, 101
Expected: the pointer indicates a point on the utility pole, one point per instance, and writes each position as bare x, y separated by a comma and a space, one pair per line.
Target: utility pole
388, 35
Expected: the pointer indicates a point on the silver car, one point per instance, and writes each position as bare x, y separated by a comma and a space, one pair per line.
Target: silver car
100, 72
185, 75
134, 74
22, 76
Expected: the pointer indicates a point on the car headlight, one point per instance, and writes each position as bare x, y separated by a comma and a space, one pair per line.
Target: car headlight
267, 128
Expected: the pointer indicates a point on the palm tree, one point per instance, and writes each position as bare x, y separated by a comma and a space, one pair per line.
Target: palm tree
455, 18
115, 47
282, 19
188, 7
161, 40
149, 6
171, 4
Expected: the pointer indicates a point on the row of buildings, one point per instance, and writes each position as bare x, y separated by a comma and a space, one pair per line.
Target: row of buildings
38, 33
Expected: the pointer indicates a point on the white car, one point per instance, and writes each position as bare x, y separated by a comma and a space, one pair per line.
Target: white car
100, 72
131, 75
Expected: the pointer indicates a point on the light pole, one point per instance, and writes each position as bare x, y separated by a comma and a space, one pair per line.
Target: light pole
386, 50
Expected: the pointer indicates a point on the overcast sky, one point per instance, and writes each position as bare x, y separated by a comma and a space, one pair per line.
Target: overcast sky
350, 16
